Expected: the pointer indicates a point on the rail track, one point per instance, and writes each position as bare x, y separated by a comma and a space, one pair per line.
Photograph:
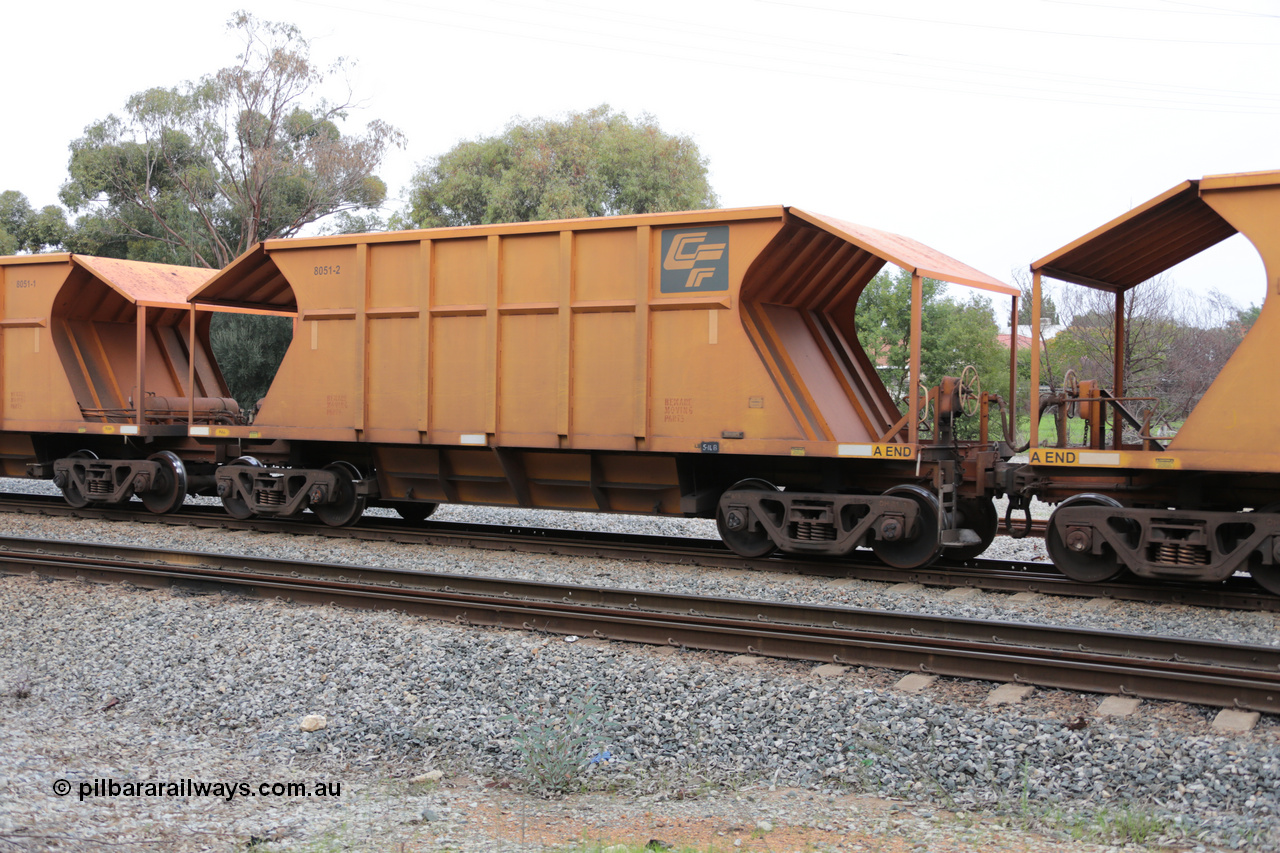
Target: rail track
986, 574
1207, 673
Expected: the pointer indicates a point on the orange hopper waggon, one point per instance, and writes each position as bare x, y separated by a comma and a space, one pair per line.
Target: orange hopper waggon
699, 364
101, 379
1205, 503
693, 364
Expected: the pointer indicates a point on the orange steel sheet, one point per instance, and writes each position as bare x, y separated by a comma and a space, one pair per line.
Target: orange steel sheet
911, 255
655, 332
146, 283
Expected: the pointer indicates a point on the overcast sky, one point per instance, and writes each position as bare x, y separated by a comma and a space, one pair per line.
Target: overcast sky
996, 131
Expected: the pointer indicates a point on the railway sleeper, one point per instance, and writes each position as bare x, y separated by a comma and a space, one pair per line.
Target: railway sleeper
337, 493
1189, 545
821, 523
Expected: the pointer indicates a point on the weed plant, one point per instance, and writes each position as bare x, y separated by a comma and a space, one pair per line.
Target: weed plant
558, 744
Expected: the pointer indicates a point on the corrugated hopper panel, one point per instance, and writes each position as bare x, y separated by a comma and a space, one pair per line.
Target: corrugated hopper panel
604, 266
603, 393
835, 415
808, 271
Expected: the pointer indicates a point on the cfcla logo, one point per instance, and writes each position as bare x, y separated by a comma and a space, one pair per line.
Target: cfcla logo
694, 259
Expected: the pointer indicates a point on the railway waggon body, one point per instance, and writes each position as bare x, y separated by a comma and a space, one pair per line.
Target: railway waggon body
1205, 503
696, 364
701, 364
104, 368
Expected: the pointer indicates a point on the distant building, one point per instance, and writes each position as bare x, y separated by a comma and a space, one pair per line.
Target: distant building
1025, 336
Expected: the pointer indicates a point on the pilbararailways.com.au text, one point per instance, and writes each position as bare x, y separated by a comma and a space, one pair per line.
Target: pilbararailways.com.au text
195, 788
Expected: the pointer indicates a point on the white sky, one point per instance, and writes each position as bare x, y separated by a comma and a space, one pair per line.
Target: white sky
995, 130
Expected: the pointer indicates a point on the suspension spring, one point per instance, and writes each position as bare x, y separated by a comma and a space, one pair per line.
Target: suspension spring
1179, 554
813, 531
268, 497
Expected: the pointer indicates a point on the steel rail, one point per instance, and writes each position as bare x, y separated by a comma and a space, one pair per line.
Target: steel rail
1210, 673
986, 574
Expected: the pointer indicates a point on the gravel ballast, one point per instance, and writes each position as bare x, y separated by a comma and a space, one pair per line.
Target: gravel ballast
128, 684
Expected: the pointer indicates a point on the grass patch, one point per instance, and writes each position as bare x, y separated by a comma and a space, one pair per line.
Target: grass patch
1127, 824
1120, 826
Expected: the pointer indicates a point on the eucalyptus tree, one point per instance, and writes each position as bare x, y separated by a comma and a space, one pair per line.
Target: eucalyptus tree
594, 163
197, 173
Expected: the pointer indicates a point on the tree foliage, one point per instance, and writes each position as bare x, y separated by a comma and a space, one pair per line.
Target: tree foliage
1174, 344
594, 163
954, 334
25, 229
1048, 310
249, 349
1245, 317
197, 173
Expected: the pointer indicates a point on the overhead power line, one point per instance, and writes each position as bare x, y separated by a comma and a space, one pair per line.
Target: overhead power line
894, 69
1004, 28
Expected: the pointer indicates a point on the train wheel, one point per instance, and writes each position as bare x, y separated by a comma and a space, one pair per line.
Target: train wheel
414, 511
236, 506
1083, 566
347, 506
922, 548
980, 516
71, 492
1267, 577
742, 541
170, 488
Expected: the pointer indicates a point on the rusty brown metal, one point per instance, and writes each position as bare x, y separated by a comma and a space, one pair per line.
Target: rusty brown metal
1033, 404
910, 255
913, 373
1117, 373
1011, 408
140, 366
1141, 243
160, 285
